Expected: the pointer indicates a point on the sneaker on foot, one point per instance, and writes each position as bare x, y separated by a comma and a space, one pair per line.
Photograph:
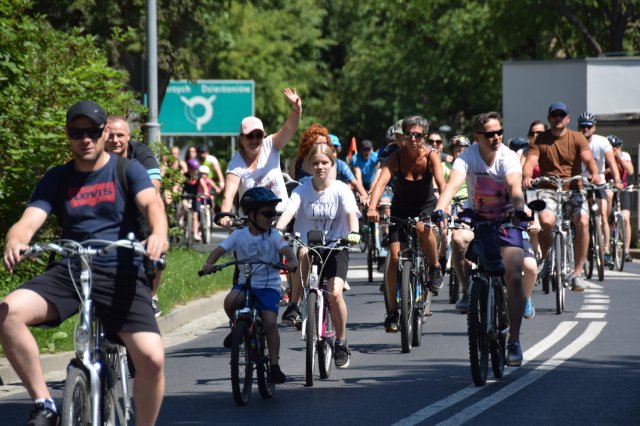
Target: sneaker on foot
435, 278
529, 309
514, 354
156, 306
347, 287
42, 416
391, 322
291, 314
608, 260
578, 284
628, 257
342, 355
276, 375
463, 303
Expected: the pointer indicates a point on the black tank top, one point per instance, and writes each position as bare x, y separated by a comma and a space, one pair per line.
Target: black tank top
412, 197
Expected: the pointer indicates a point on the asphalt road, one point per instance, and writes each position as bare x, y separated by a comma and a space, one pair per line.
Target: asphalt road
581, 367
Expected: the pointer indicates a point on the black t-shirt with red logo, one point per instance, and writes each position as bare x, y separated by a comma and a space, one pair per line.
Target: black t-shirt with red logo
95, 207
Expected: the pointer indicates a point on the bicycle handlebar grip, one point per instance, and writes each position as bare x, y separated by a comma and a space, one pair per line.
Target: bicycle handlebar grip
220, 215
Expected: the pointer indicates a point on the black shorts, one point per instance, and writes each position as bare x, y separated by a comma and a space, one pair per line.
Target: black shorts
121, 296
336, 265
397, 233
625, 200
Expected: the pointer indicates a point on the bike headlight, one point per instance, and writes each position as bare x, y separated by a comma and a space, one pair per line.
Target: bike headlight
82, 339
594, 207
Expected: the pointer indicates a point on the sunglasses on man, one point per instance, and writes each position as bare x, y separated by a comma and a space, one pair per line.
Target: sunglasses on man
558, 114
80, 132
490, 135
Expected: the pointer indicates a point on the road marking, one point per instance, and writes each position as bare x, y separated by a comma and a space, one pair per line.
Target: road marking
594, 308
556, 335
593, 286
590, 334
591, 315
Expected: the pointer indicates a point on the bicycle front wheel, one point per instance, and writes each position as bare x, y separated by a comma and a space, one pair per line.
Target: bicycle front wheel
406, 308
558, 272
618, 242
241, 364
263, 366
76, 401
326, 344
311, 333
476, 331
383, 286
599, 247
205, 225
498, 345
590, 259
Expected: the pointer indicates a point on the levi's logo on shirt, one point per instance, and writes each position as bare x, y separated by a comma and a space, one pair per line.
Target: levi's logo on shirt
92, 195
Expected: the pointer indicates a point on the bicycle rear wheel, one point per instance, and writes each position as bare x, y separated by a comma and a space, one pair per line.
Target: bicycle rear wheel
558, 272
326, 344
454, 286
618, 242
599, 247
590, 259
263, 368
406, 308
205, 224
76, 401
498, 345
311, 336
241, 364
116, 401
476, 331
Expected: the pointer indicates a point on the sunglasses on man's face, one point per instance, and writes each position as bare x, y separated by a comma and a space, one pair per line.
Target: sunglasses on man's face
410, 135
80, 132
558, 114
269, 214
490, 135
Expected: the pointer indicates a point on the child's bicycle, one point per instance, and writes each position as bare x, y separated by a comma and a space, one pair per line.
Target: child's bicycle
249, 350
96, 390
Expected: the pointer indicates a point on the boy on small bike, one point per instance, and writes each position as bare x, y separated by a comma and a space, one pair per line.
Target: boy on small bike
258, 240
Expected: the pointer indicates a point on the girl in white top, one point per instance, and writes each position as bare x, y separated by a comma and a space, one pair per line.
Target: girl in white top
327, 205
257, 163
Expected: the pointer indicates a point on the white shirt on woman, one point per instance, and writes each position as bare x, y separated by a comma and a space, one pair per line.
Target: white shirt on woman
266, 175
326, 210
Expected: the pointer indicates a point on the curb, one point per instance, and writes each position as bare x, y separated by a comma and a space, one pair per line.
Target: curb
179, 316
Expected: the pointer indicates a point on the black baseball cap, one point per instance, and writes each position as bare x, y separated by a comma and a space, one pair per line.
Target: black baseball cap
89, 109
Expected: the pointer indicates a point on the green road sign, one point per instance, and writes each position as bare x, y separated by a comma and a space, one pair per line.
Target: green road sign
206, 107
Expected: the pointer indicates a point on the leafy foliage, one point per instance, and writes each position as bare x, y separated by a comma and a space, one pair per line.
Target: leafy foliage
43, 72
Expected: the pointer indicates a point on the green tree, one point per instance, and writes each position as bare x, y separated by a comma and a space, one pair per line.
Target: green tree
43, 72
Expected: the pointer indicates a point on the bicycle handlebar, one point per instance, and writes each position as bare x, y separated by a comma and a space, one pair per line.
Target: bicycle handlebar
252, 261
235, 221
71, 248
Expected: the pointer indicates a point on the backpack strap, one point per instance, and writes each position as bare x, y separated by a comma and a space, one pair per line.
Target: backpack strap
121, 174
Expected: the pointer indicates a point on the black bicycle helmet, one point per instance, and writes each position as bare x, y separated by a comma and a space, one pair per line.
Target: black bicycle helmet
587, 118
257, 197
516, 144
614, 140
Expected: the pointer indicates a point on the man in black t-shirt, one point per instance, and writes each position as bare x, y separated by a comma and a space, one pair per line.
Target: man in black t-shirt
94, 206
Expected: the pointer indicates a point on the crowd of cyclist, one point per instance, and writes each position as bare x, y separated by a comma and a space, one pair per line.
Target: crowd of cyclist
411, 176
416, 177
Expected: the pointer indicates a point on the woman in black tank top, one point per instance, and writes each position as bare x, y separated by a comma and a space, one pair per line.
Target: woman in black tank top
415, 167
